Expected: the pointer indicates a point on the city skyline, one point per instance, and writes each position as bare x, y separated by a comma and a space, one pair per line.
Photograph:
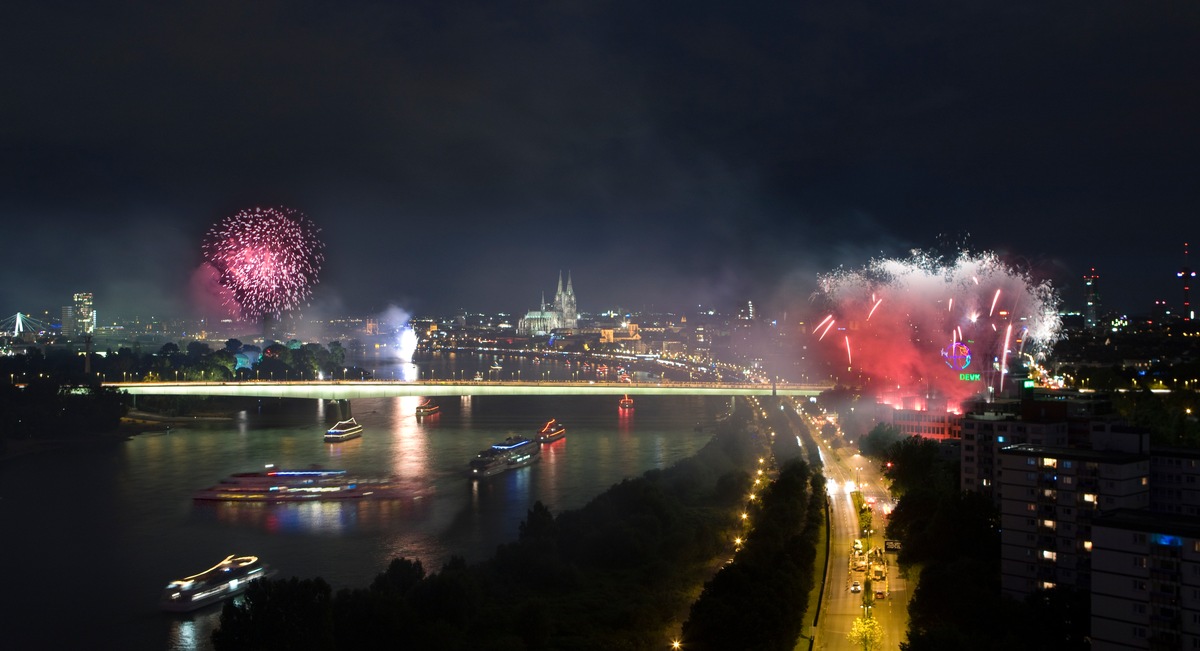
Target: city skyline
454, 157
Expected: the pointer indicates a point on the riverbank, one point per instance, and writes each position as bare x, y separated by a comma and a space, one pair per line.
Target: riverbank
137, 417
133, 423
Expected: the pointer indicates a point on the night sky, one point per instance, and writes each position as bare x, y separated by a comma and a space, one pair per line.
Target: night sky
458, 155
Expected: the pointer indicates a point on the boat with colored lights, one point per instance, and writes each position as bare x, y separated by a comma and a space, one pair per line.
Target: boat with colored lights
552, 431
343, 431
311, 485
427, 408
512, 452
626, 402
487, 463
225, 579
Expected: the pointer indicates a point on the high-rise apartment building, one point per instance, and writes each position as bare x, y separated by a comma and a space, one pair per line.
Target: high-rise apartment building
84, 315
1091, 295
1048, 499
1145, 584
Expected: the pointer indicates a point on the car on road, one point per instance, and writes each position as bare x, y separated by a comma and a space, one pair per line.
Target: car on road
856, 587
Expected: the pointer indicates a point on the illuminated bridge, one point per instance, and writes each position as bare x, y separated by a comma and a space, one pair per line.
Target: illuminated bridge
343, 390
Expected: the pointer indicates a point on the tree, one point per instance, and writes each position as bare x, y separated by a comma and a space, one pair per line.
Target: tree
233, 345
867, 633
881, 437
197, 350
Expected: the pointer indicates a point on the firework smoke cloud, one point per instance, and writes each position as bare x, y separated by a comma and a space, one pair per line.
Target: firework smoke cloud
267, 258
923, 327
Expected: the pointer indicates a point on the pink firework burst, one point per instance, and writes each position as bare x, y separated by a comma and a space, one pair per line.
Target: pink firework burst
934, 327
268, 258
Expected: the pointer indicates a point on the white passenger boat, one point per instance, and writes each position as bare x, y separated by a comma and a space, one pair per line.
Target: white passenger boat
221, 581
344, 431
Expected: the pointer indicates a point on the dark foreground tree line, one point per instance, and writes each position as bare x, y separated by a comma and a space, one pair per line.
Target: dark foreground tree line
43, 409
619, 573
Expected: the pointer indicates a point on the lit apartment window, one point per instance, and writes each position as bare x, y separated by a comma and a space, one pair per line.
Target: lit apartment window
1049, 524
1050, 463
1049, 555
1048, 585
1087, 545
1089, 497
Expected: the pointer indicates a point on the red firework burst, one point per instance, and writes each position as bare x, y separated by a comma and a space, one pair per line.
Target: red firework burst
267, 257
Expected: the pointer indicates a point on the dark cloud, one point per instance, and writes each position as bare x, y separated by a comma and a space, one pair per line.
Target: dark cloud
667, 153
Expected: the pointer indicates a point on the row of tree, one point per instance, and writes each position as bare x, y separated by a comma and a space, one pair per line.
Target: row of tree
43, 409
198, 361
759, 601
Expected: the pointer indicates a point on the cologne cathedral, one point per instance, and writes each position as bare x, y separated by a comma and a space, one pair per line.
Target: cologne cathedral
559, 315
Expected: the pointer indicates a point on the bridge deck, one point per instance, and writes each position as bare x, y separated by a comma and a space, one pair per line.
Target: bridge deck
343, 390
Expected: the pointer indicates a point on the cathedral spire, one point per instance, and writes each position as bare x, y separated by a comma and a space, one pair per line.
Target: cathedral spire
569, 289
559, 292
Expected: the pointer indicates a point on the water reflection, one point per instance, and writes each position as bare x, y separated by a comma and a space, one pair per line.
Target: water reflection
322, 518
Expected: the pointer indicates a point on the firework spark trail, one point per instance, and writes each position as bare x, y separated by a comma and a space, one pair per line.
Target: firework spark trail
1004, 355
900, 347
873, 308
849, 359
826, 330
267, 257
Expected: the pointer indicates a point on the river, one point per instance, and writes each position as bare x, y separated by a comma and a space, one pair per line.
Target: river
92, 534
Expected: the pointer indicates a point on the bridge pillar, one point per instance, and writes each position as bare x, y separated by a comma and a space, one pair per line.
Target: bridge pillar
341, 409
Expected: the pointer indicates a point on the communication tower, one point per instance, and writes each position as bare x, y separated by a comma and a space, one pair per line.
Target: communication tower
1186, 275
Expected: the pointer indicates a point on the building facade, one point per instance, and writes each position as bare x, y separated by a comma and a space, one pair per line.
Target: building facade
83, 315
1048, 498
1145, 581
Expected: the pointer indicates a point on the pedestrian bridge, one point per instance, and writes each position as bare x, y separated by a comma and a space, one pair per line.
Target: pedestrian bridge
343, 390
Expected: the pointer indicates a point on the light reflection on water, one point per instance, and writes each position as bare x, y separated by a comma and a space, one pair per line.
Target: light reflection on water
129, 506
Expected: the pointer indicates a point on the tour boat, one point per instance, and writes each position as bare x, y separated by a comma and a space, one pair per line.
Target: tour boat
344, 431
626, 402
427, 408
282, 485
512, 452
487, 463
221, 581
519, 451
552, 431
